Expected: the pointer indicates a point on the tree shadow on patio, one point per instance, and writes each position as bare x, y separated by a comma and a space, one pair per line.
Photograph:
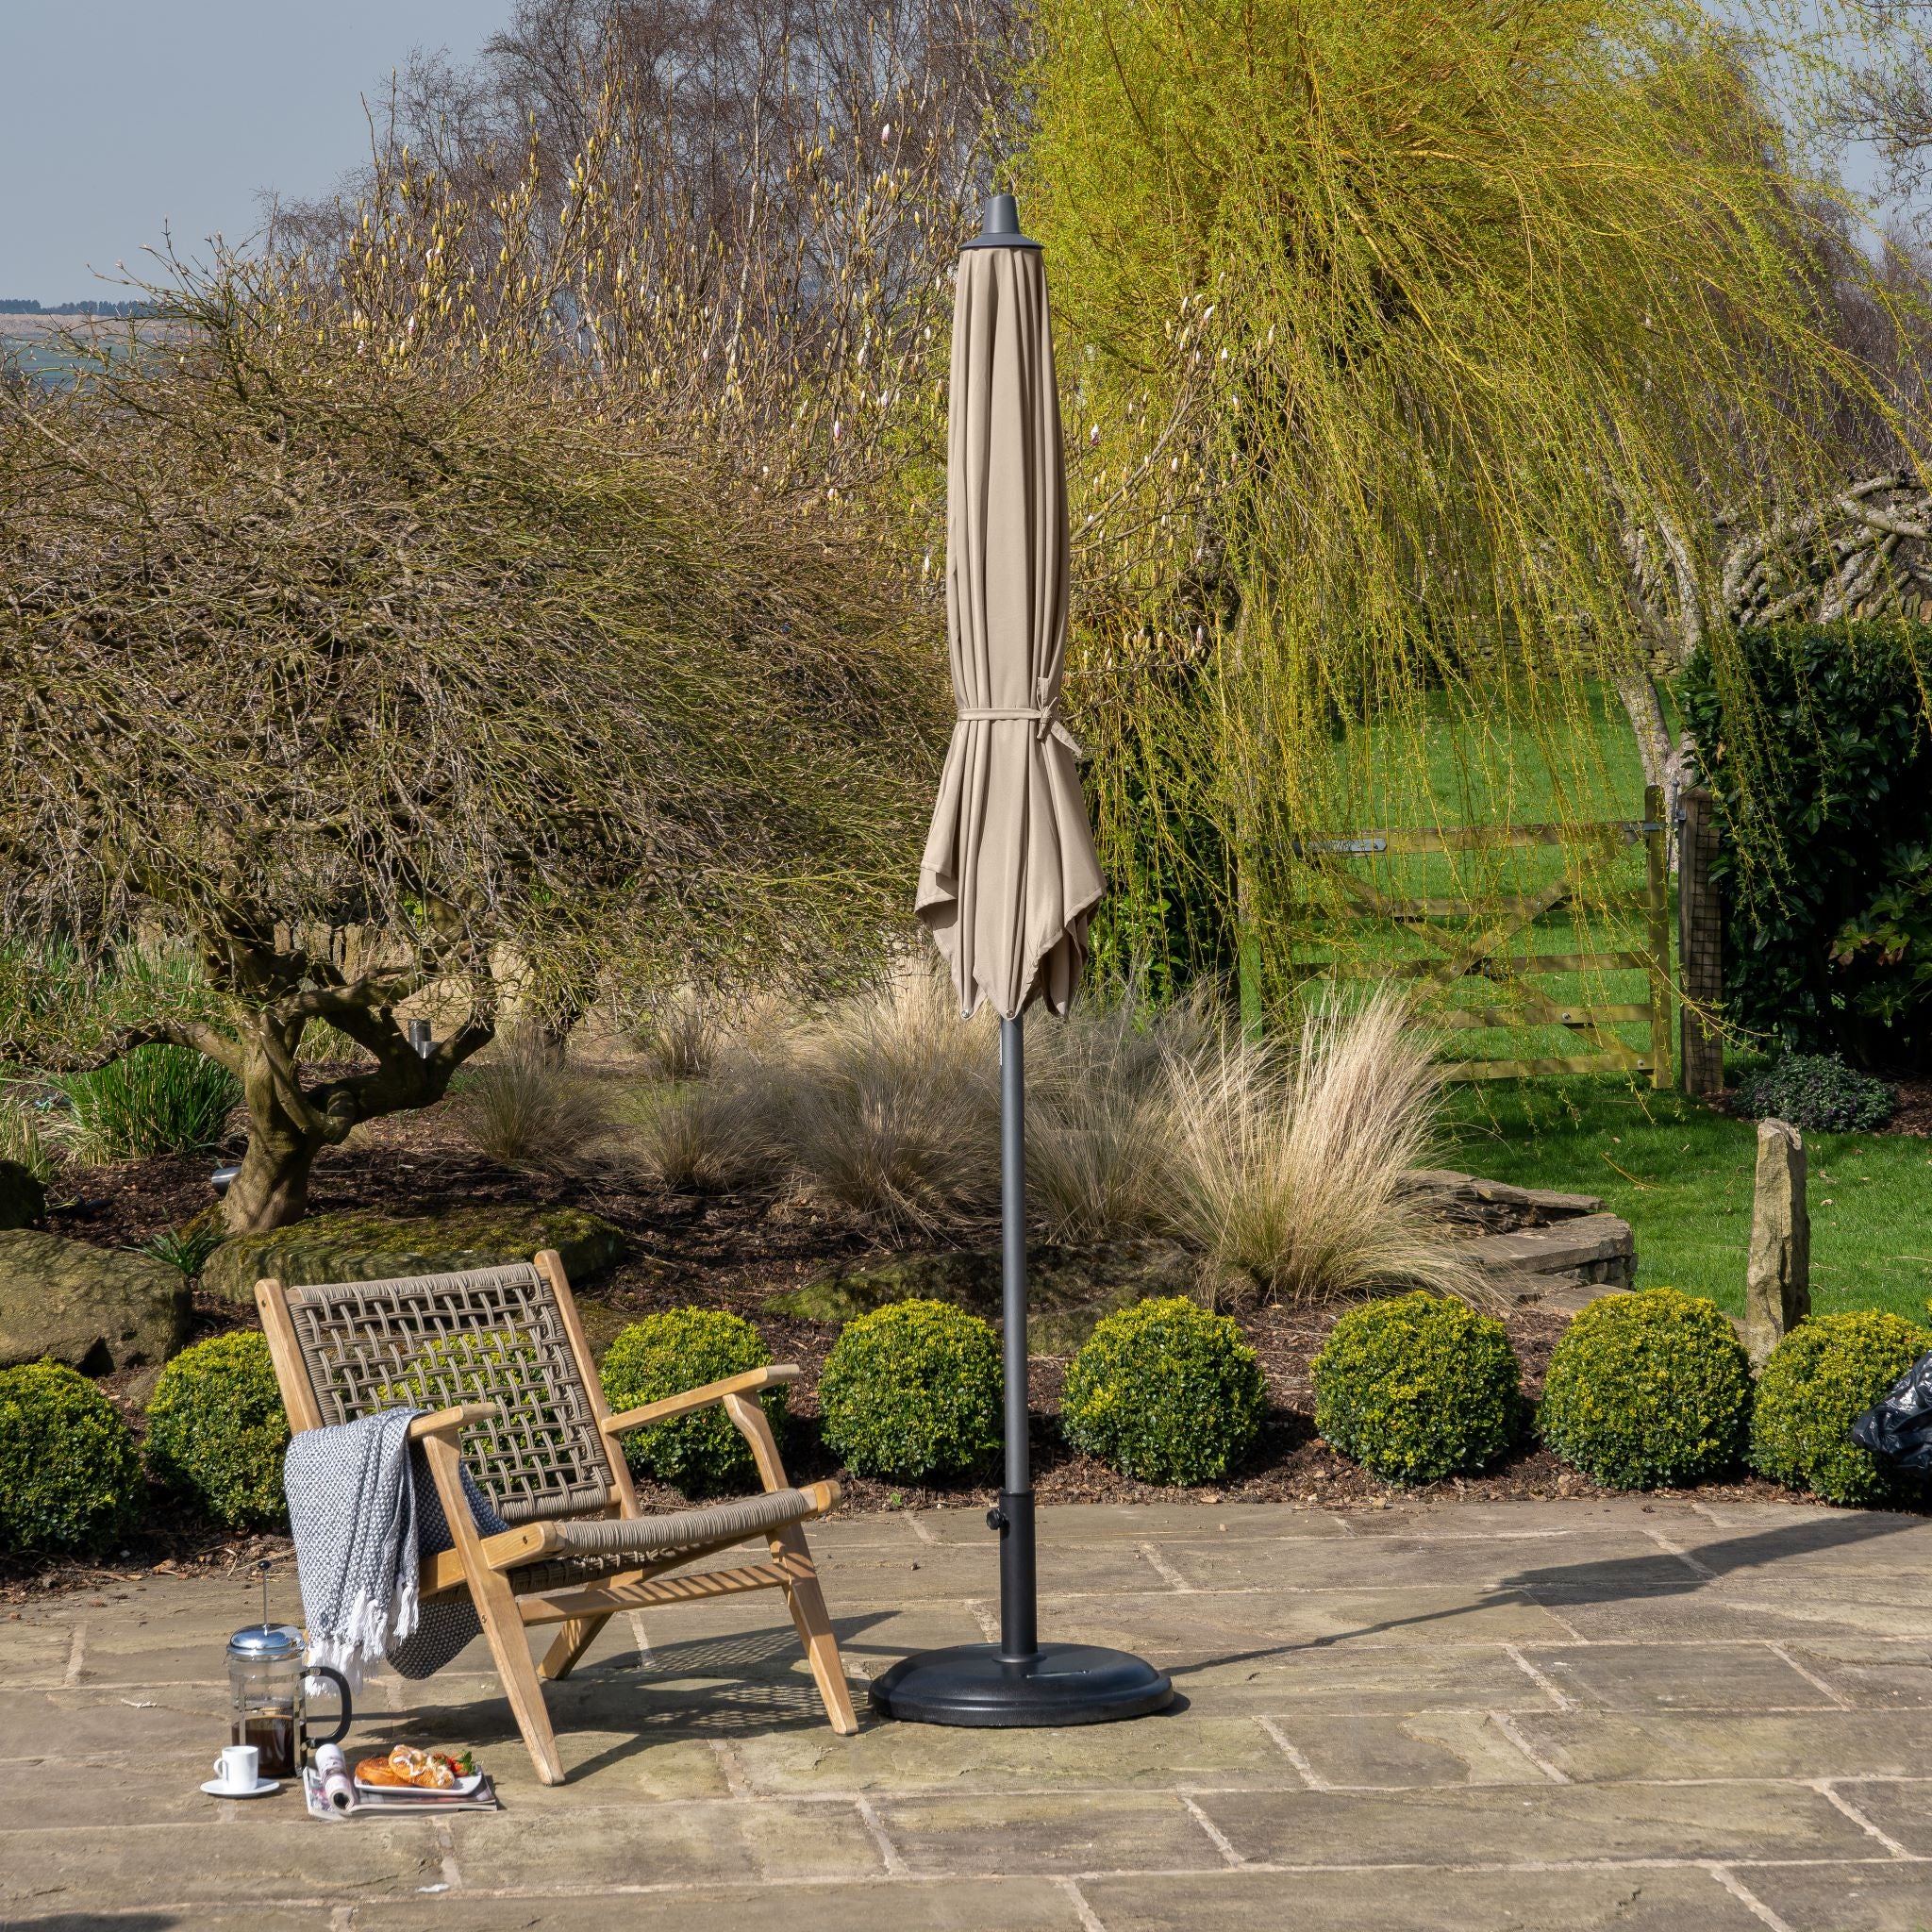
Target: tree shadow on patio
1673, 1569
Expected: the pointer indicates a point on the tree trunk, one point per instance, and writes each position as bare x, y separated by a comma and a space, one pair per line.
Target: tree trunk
272, 1190
1664, 762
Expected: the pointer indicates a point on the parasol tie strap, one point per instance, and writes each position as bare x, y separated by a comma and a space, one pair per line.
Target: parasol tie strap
1045, 720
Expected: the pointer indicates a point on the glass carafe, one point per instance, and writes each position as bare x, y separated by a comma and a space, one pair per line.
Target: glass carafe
268, 1696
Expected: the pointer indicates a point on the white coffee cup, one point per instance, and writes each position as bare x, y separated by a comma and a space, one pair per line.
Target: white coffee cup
238, 1768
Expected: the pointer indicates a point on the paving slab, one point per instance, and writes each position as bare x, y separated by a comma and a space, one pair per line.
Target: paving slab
988, 1905
1683, 1900
1619, 1560
1591, 1746
1833, 1898
605, 1846
1450, 1718
1050, 1831
1383, 1752
1078, 1524
1526, 1824
1685, 1677
1868, 1674
1354, 1679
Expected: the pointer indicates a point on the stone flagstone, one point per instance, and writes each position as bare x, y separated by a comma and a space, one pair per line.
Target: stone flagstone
1420, 1719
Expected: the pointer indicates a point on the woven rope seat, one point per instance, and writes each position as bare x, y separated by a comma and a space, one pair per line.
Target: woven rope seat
606, 1545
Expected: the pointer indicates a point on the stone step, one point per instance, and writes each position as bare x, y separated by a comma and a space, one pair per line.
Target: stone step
1533, 1263
1496, 1205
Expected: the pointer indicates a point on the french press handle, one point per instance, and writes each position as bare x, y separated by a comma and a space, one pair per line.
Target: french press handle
345, 1716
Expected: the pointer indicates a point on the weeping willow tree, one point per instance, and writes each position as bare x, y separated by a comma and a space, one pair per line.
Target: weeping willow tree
1428, 354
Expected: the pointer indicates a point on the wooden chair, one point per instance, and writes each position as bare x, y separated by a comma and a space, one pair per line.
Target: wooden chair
503, 1351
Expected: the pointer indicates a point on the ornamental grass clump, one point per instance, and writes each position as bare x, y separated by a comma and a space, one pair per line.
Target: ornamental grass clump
1292, 1170
666, 1354
217, 1431
1819, 1378
888, 1106
1417, 1387
70, 1475
1167, 1393
1648, 1390
530, 1108
912, 1391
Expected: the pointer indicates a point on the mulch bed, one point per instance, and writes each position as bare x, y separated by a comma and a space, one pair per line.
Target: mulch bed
734, 1253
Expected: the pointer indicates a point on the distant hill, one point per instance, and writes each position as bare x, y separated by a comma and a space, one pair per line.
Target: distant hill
22, 304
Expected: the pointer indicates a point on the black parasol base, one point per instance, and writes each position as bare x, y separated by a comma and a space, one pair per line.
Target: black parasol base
1059, 1684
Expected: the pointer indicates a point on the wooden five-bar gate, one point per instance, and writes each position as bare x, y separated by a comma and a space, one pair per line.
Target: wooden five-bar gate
1456, 955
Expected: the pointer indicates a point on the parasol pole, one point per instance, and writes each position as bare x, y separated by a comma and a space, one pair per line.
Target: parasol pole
1013, 1518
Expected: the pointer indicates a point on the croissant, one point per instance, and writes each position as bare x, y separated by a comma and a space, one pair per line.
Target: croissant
426, 1770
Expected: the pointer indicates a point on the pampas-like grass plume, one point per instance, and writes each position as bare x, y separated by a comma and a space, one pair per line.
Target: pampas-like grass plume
1291, 1171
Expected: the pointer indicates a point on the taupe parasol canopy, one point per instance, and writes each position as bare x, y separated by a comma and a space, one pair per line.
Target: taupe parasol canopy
1009, 877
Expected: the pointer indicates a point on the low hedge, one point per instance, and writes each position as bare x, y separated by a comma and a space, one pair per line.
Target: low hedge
1646, 1390
1165, 1391
70, 1474
665, 1354
1819, 1380
1418, 1386
913, 1390
216, 1431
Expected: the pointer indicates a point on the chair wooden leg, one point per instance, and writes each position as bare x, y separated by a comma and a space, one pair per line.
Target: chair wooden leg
572, 1641
814, 1625
496, 1606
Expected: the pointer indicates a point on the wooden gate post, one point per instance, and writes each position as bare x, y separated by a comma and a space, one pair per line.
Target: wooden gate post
1657, 910
1700, 943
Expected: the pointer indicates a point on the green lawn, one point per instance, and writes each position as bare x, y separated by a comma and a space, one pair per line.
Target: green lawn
1681, 1174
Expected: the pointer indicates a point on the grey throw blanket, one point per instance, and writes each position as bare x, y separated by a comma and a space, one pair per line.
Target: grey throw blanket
365, 1513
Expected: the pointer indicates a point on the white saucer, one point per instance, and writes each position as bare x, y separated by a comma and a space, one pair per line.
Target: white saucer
263, 1786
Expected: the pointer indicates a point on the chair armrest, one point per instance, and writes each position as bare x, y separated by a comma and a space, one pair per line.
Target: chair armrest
700, 1398
446, 1422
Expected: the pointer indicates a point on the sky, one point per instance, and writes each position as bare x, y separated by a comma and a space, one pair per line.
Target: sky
121, 118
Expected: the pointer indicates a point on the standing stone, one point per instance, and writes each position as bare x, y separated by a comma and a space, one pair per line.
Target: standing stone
1778, 1280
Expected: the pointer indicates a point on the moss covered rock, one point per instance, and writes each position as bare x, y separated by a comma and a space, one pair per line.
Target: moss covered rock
97, 1309
1069, 1290
357, 1246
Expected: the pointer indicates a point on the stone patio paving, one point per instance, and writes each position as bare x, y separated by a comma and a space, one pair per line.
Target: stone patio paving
1536, 1715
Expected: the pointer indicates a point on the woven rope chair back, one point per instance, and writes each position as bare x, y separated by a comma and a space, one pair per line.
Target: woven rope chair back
487, 1335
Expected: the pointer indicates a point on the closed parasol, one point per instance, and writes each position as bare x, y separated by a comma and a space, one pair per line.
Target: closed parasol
1006, 886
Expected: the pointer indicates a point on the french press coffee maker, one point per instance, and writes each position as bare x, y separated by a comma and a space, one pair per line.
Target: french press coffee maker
268, 1693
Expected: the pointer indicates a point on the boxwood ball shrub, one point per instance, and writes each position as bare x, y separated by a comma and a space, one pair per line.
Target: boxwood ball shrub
1165, 1391
1818, 1381
70, 1475
663, 1355
913, 1390
1648, 1389
216, 1431
1417, 1386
